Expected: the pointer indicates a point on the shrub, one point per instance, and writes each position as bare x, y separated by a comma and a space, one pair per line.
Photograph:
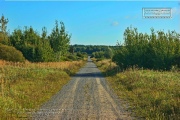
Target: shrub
71, 57
10, 53
81, 55
4, 38
158, 50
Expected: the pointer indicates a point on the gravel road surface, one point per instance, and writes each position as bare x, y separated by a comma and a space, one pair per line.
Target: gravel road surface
86, 97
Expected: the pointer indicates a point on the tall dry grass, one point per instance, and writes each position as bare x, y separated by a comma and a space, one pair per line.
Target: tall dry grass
153, 95
26, 86
56, 65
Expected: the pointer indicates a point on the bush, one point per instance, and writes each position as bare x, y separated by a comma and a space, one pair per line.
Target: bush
81, 55
10, 53
4, 38
71, 57
158, 50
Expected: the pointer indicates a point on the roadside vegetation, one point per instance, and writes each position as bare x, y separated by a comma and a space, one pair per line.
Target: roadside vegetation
33, 67
158, 50
29, 44
145, 72
152, 95
10, 53
26, 86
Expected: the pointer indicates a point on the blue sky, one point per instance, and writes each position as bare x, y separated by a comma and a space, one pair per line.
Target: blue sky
90, 23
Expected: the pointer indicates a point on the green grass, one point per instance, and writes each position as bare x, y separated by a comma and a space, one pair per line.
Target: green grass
153, 95
25, 87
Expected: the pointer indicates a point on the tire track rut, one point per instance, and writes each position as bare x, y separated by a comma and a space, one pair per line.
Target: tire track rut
86, 96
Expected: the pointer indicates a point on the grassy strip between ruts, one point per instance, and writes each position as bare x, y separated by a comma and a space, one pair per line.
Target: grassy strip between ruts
26, 86
152, 95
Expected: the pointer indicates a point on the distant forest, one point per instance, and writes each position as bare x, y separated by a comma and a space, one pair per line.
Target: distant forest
89, 49
158, 50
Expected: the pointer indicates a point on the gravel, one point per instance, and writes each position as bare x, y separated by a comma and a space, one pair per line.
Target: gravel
86, 96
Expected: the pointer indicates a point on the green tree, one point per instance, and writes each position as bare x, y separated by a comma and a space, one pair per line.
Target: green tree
159, 50
108, 53
3, 33
35, 48
3, 22
45, 51
16, 39
59, 40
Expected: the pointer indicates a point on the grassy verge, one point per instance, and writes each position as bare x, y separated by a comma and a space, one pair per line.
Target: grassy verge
24, 87
153, 95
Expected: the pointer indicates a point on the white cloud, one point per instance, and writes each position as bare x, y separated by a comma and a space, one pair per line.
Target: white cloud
115, 23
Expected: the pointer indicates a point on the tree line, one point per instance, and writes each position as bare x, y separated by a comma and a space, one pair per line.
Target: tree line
37, 47
89, 49
158, 50
96, 51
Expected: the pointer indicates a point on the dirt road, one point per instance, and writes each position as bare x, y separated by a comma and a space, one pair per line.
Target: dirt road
86, 96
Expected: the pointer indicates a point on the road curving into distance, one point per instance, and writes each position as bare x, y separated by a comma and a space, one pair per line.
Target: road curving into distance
86, 96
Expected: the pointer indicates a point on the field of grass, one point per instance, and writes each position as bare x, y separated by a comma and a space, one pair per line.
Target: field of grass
24, 87
152, 95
